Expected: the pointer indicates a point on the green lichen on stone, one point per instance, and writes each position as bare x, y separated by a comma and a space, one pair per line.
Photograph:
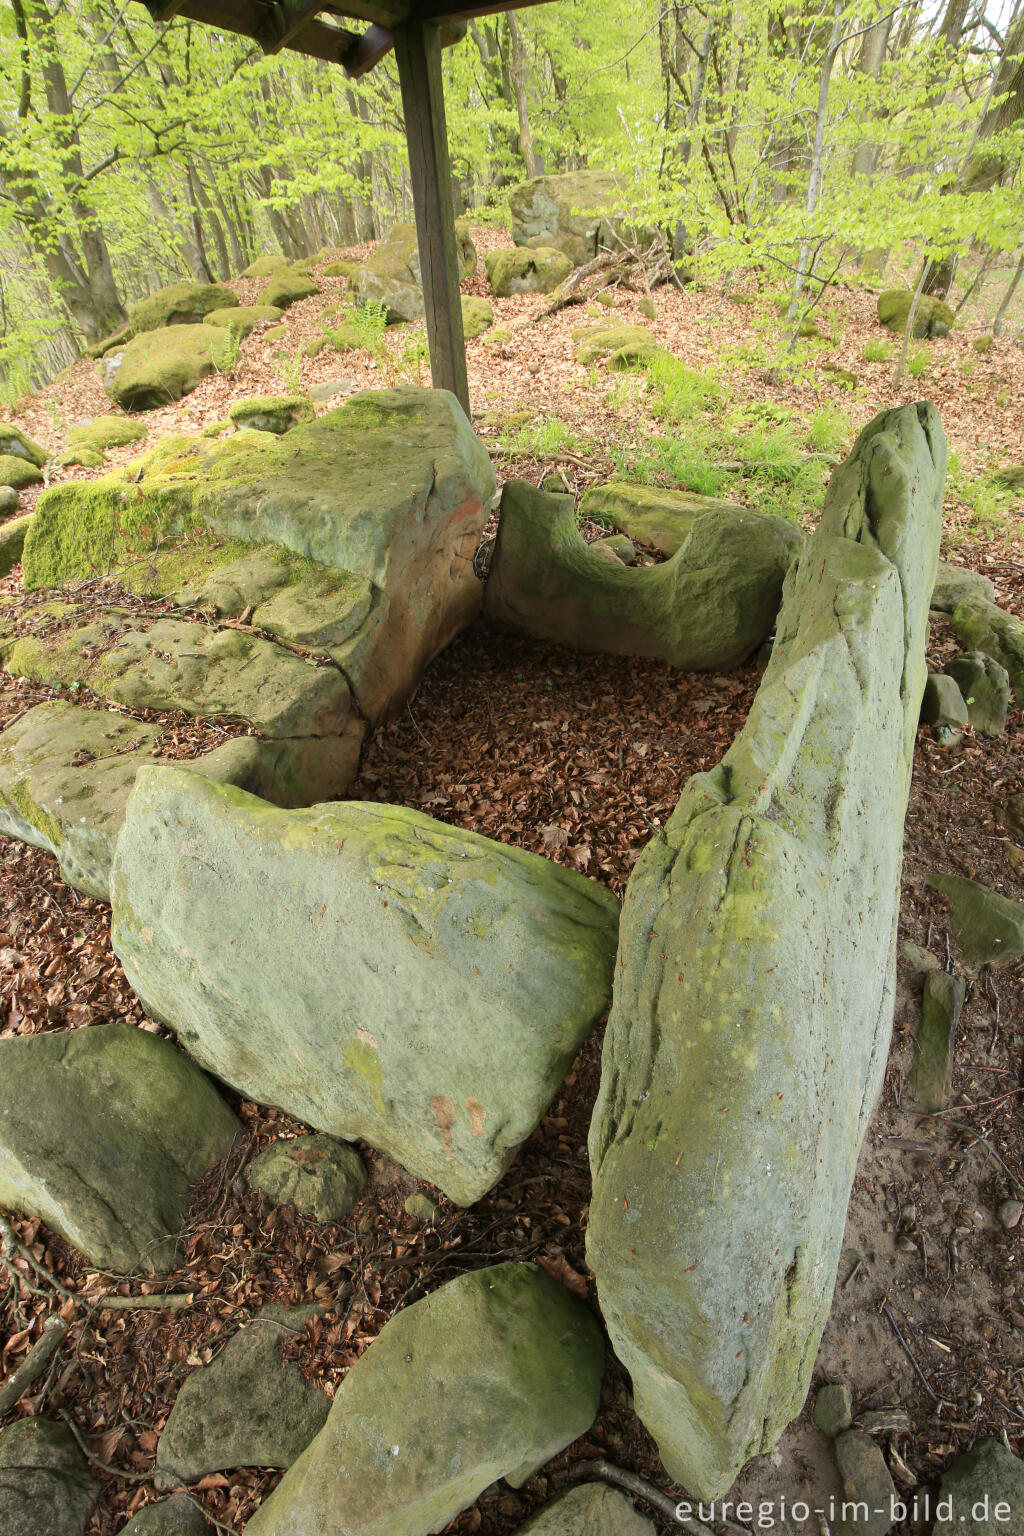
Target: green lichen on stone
265, 266
391, 274
594, 342
287, 286
106, 432
272, 413
982, 626
932, 316
477, 316
526, 271
754, 988
14, 443
86, 458
158, 367
12, 541
650, 514
180, 304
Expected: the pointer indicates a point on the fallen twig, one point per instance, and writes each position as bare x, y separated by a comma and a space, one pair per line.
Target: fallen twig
169, 1301
34, 1363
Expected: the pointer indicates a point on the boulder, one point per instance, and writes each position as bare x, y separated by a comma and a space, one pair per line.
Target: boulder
943, 708
635, 354
489, 1376
477, 316
989, 927
244, 318
526, 271
471, 972
345, 266
985, 1493
180, 304
45, 1487
421, 1208
106, 432
591, 1510
942, 1000
319, 493
248, 1408
158, 367
985, 687
265, 266
707, 608
981, 626
391, 275
594, 342
176, 1516
320, 1176
955, 582
102, 1133
932, 317
66, 774
568, 212
86, 458
8, 500
15, 444
287, 286
272, 413
18, 473
12, 542
662, 519
755, 982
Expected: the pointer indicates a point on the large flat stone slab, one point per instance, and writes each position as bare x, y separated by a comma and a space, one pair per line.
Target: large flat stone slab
45, 1486
755, 982
102, 1132
377, 973
489, 1376
392, 487
708, 607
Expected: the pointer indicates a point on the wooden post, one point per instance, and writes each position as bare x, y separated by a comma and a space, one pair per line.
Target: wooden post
418, 53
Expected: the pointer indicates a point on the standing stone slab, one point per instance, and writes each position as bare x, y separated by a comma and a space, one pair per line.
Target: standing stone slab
985, 687
754, 987
931, 1075
102, 1132
987, 1478
489, 1376
45, 1487
249, 1408
376, 973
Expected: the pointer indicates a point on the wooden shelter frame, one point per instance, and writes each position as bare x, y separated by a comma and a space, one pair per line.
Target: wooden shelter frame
414, 29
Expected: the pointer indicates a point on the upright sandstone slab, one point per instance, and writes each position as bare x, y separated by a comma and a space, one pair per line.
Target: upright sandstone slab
375, 972
754, 987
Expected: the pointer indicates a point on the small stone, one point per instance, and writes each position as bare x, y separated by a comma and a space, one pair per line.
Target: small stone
1011, 814
330, 389
931, 1074
985, 688
943, 708
1009, 1213
249, 1408
45, 1487
954, 582
422, 1208
319, 1175
989, 927
918, 958
866, 1480
176, 1516
8, 500
620, 546
833, 1408
592, 1510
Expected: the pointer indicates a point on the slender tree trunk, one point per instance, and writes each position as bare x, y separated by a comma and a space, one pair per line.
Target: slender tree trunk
997, 324
519, 71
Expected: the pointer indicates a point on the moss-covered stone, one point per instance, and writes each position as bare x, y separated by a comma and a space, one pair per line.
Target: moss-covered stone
943, 708
18, 473
570, 212
526, 271
594, 342
266, 266
933, 317
14, 444
514, 1362
180, 304
244, 318
989, 927
45, 1486
754, 987
930, 1081
176, 1516
477, 316
956, 582
287, 287
343, 267
649, 514
709, 606
248, 1408
86, 458
318, 492
985, 687
12, 542
982, 626
633, 355
102, 1133
648, 308
471, 972
158, 367
272, 413
391, 275
982, 344
498, 338
318, 1175
276, 333
107, 432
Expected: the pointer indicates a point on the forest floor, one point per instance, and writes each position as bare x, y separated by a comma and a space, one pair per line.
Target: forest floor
579, 757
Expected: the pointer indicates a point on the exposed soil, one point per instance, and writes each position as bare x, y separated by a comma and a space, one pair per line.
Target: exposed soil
580, 758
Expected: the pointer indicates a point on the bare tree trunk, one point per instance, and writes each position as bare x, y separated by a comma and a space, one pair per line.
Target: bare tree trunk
520, 68
997, 324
